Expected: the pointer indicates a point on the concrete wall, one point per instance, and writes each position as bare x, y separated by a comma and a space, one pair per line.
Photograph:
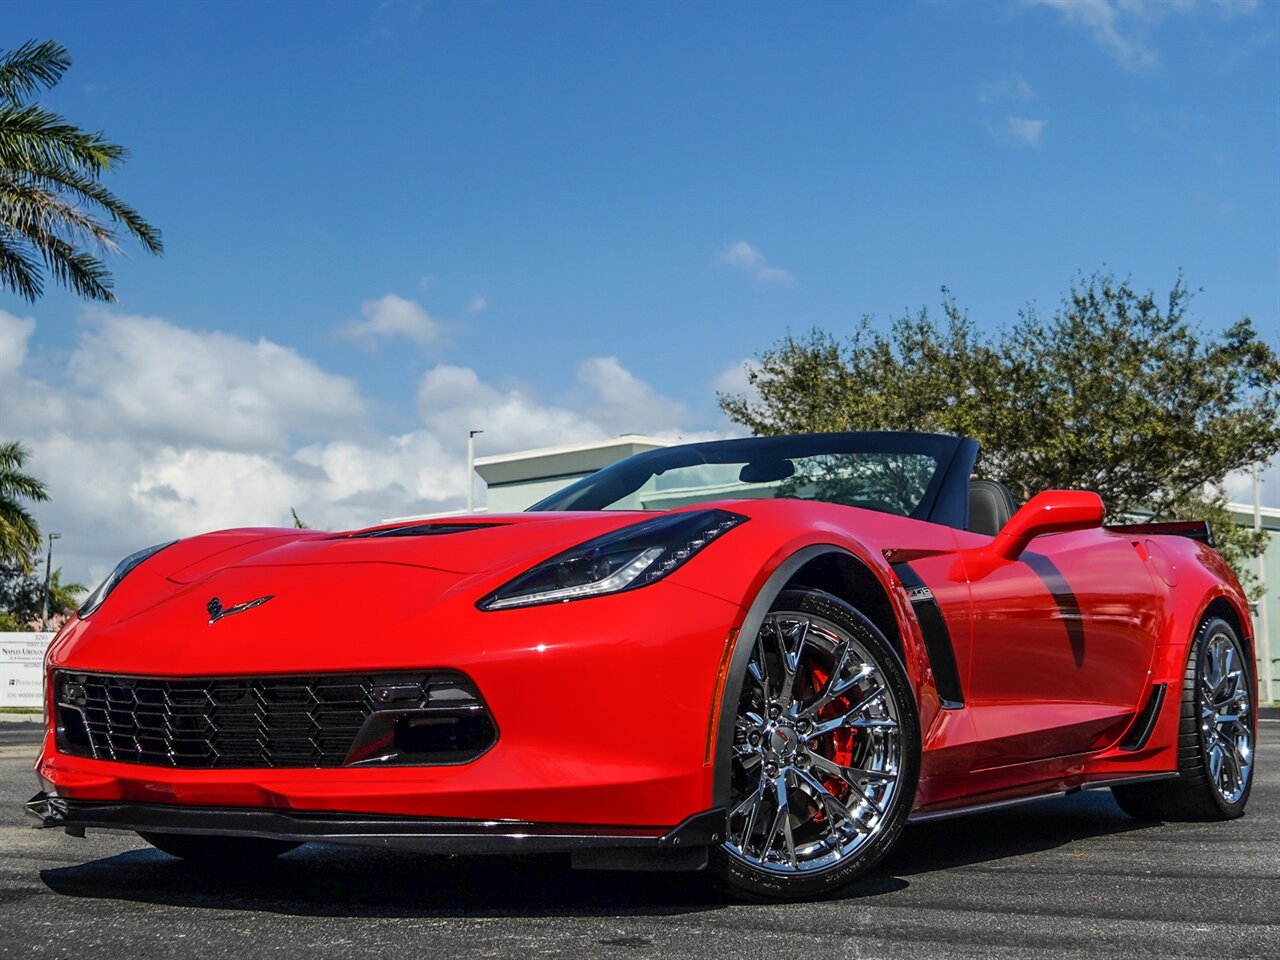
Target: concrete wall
514, 497
1270, 646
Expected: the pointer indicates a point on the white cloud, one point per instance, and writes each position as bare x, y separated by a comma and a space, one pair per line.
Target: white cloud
1122, 27
622, 403
606, 401
153, 431
734, 380
155, 379
1025, 132
743, 256
1111, 25
1012, 90
1239, 486
477, 305
393, 316
1021, 131
1236, 8
14, 333
453, 400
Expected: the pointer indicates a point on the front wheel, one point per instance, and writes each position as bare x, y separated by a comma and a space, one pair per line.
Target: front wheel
1215, 736
826, 752
219, 851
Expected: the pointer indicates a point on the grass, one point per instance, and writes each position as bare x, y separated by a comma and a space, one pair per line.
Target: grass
25, 711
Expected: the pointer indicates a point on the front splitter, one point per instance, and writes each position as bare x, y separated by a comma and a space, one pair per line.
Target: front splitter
443, 836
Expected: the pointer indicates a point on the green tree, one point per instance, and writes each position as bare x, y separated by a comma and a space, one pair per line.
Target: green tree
19, 533
55, 214
22, 598
1116, 392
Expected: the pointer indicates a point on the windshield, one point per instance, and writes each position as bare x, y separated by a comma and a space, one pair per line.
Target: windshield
895, 473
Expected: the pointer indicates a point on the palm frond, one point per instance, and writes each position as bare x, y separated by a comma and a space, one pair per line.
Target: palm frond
28, 204
33, 65
19, 533
19, 269
52, 203
84, 273
31, 134
85, 188
13, 457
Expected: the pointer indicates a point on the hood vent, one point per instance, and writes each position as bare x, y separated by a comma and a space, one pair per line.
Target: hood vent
422, 530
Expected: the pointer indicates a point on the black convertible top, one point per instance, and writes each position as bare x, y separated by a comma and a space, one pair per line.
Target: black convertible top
944, 501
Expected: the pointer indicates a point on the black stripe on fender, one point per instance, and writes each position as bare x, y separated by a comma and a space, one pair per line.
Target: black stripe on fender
1063, 596
937, 638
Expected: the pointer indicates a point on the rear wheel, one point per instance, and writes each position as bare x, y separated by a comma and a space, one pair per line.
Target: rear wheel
219, 851
825, 752
1215, 737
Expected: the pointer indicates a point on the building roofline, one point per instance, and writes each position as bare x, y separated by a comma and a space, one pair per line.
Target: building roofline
1271, 513
626, 440
568, 461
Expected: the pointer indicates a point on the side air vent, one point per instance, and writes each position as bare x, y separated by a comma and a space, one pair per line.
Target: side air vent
1145, 722
937, 638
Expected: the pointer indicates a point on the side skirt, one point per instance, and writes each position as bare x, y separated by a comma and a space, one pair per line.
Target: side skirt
927, 816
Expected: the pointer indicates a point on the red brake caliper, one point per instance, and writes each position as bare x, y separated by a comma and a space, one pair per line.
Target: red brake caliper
837, 746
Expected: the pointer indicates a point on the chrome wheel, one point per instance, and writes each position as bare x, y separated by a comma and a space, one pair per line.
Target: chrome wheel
1226, 715
818, 748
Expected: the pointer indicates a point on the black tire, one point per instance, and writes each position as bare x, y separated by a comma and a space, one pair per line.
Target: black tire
759, 879
219, 851
1196, 795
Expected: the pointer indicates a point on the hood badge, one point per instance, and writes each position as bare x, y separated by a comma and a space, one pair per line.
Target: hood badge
217, 611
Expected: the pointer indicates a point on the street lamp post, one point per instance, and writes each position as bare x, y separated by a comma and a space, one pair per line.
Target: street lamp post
471, 470
48, 571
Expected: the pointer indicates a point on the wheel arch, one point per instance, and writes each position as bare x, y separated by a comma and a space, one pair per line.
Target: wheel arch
1222, 607
843, 575
1214, 598
827, 567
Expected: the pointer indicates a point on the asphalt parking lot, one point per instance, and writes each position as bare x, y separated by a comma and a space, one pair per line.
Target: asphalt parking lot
1073, 878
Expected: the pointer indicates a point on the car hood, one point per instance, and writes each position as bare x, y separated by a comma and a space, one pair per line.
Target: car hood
365, 587
455, 546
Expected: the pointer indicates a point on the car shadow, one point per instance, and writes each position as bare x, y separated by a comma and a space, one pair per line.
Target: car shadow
1015, 831
327, 880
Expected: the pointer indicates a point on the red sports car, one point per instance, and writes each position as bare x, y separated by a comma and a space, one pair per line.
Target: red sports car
765, 656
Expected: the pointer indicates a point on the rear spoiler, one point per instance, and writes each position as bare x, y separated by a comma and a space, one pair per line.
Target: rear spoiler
1191, 529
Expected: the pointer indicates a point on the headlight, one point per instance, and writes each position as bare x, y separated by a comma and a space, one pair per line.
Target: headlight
94, 600
625, 559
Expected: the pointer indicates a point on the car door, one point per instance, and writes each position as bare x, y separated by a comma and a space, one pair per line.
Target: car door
1063, 640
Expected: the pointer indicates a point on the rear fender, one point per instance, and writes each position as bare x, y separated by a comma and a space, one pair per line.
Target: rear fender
1203, 583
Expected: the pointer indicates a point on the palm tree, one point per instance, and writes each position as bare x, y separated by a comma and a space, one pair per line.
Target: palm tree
19, 534
64, 597
54, 212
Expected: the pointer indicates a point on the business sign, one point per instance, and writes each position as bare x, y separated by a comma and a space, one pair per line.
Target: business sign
22, 668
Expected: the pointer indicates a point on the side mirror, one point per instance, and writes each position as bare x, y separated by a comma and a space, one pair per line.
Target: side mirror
1054, 511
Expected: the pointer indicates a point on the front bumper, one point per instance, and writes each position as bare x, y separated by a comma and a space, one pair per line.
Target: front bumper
604, 709
438, 836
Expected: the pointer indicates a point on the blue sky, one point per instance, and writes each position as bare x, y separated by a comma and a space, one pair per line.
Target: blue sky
570, 220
